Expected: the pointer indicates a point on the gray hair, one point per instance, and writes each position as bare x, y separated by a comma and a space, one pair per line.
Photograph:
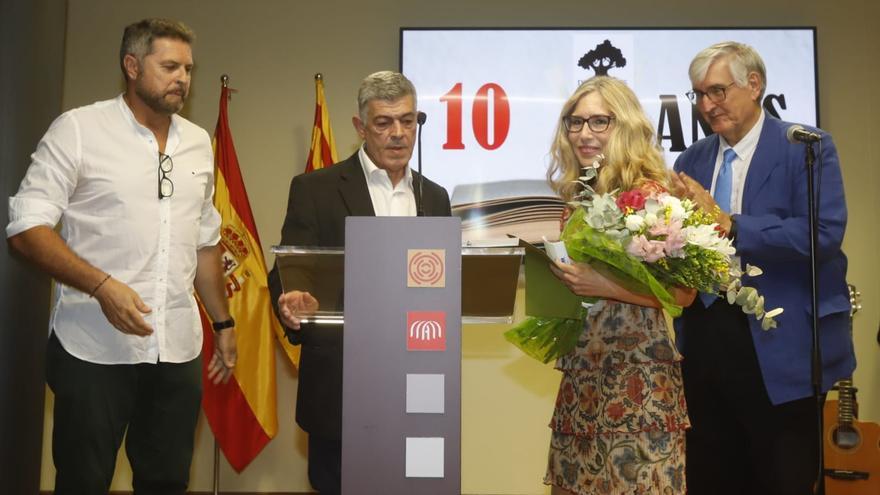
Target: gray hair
383, 85
742, 60
137, 39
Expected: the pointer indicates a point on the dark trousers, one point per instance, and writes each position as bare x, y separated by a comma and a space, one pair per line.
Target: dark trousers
94, 405
325, 464
739, 442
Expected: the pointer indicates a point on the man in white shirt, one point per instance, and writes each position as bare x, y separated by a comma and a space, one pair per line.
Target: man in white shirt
375, 181
131, 184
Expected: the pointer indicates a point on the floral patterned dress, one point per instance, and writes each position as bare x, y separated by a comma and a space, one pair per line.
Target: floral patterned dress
620, 417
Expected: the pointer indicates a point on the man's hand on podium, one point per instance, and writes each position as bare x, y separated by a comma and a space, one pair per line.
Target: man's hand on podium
294, 306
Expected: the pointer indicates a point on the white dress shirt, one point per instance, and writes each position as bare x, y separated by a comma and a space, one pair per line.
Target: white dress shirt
745, 150
96, 171
388, 200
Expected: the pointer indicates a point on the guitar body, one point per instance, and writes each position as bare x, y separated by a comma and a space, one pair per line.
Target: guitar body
854, 449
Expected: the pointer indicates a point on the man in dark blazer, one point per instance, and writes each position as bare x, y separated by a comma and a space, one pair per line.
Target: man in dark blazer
749, 392
375, 181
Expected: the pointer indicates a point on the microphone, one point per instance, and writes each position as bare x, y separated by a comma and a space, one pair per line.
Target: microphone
421, 117
797, 134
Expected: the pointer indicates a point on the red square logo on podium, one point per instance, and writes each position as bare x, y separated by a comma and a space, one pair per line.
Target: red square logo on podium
426, 331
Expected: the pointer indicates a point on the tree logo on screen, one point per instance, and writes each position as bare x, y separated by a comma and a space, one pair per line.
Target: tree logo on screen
602, 59
426, 268
425, 331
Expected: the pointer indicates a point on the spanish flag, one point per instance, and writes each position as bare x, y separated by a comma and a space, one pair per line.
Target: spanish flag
243, 412
323, 151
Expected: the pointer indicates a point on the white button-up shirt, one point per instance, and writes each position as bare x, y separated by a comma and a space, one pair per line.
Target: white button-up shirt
745, 150
388, 200
96, 171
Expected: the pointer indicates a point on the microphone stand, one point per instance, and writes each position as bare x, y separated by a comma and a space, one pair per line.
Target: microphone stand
420, 206
816, 363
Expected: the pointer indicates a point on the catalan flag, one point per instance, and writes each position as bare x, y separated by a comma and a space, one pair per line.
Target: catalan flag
321, 154
243, 412
323, 151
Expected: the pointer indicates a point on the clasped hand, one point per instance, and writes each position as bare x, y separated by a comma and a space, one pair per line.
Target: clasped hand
582, 279
684, 186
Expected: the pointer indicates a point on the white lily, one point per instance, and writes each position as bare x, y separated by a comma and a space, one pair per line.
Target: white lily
634, 223
674, 206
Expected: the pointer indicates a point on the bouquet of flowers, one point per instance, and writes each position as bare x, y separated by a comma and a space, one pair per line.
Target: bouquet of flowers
650, 241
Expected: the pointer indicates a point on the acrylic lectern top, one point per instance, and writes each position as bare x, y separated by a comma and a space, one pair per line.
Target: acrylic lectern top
489, 280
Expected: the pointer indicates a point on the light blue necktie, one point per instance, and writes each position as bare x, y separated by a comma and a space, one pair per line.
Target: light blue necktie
724, 182
723, 187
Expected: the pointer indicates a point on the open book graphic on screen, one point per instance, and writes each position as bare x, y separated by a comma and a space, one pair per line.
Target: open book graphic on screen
527, 209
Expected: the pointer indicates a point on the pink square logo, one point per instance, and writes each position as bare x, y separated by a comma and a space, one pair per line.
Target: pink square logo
426, 268
425, 331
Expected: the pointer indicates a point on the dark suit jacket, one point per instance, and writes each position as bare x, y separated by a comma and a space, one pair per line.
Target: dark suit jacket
773, 234
317, 206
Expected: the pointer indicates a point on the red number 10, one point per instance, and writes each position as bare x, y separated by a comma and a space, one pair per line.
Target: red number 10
479, 117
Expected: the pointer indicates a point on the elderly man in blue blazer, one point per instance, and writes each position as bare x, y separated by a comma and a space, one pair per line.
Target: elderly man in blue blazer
749, 391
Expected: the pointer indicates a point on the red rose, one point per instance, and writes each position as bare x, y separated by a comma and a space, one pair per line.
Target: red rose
633, 199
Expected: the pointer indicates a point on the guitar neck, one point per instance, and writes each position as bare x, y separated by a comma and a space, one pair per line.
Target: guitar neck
846, 407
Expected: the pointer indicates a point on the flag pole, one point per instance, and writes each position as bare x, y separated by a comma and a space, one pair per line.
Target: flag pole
216, 468
224, 82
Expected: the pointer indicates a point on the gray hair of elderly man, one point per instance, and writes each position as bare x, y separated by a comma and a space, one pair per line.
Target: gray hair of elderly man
383, 85
742, 60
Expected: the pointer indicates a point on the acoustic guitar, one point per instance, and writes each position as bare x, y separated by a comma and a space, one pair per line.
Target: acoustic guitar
852, 448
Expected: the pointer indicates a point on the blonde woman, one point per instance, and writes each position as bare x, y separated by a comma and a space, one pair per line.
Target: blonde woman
620, 415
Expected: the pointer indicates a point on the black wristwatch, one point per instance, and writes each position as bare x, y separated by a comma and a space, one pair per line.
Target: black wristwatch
732, 232
222, 325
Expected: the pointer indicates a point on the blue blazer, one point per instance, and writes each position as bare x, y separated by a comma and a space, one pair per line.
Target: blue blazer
773, 234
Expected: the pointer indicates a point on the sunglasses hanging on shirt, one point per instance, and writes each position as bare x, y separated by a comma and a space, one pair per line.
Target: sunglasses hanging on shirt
166, 165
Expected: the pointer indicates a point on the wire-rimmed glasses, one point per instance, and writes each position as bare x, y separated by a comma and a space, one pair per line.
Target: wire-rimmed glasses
716, 94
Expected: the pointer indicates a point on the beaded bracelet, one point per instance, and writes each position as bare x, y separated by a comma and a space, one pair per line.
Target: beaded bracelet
95, 290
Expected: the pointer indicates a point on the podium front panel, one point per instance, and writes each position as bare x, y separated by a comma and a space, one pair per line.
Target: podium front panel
401, 419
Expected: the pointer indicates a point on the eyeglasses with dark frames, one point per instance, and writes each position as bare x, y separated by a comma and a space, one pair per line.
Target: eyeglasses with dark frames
166, 165
596, 123
716, 94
